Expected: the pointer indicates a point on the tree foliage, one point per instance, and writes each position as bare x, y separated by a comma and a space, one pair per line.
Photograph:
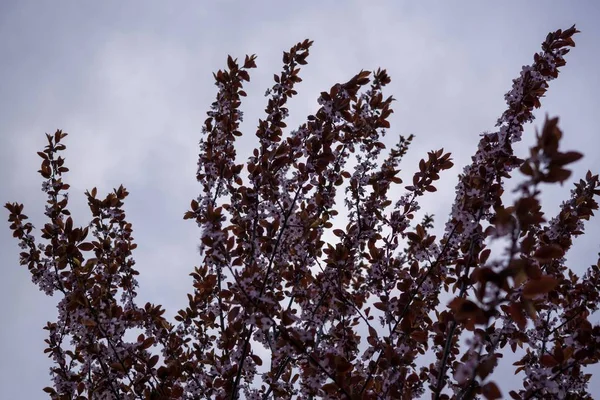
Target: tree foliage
276, 312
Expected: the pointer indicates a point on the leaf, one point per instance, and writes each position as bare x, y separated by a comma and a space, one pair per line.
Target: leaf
516, 313
257, 360
557, 175
566, 158
526, 169
233, 313
249, 62
231, 63
153, 361
373, 333
117, 366
147, 343
338, 232
536, 287
413, 237
486, 366
464, 309
419, 336
244, 75
288, 318
69, 225
548, 253
86, 246
490, 391
548, 361
484, 255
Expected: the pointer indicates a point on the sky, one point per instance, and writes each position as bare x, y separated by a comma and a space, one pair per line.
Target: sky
131, 82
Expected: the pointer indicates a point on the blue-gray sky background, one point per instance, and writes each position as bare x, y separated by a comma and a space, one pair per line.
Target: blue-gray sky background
131, 81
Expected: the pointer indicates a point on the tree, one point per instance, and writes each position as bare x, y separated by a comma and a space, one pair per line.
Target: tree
268, 282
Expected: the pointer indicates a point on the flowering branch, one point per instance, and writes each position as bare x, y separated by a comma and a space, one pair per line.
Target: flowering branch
268, 281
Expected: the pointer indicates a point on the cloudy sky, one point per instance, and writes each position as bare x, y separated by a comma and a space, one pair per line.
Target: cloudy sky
131, 81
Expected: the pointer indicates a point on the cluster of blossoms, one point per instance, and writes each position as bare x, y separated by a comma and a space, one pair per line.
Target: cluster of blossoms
268, 282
